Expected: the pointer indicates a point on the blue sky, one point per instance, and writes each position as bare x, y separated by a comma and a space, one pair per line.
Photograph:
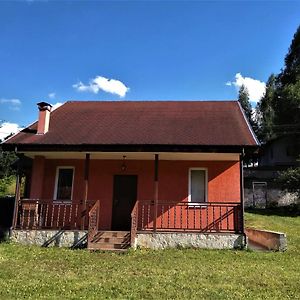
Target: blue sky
158, 50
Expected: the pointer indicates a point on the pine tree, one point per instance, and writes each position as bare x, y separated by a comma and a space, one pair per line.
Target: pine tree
265, 111
291, 72
287, 96
245, 103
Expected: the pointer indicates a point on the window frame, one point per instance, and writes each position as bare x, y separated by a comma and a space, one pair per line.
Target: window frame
56, 183
190, 186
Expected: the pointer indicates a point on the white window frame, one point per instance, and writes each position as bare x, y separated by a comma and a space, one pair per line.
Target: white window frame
56, 183
190, 186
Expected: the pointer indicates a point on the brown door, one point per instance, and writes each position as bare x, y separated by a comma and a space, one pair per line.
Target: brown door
124, 198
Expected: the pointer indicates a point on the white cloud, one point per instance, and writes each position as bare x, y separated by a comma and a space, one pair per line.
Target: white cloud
8, 128
255, 87
13, 104
56, 105
112, 86
51, 95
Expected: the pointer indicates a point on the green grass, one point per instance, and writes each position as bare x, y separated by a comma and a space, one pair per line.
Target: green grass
39, 273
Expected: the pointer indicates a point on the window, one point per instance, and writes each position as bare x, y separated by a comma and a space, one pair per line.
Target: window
64, 183
198, 185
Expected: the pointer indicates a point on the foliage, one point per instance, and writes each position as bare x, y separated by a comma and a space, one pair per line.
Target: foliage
287, 96
5, 184
291, 73
279, 109
290, 180
6, 172
53, 273
6, 159
243, 98
265, 111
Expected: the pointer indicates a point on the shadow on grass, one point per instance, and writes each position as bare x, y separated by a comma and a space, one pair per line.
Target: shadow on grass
4, 235
283, 211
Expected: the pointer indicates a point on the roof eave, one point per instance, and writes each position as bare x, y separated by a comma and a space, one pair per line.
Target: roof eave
129, 148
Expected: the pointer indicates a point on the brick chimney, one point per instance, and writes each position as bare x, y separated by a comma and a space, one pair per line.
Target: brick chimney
44, 117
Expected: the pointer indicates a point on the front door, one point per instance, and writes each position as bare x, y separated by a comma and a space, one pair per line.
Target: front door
124, 198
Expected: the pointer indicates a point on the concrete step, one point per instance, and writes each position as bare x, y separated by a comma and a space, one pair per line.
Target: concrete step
113, 240
110, 241
110, 234
110, 250
104, 246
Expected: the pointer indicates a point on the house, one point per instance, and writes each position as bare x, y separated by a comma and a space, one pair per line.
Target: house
281, 152
142, 173
275, 156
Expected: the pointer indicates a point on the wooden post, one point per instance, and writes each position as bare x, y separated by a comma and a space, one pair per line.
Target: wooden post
242, 192
86, 188
17, 199
155, 192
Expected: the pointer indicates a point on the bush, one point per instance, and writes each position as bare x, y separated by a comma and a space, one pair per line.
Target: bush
5, 184
290, 180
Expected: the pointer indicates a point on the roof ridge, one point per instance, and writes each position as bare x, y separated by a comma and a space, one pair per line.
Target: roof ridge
149, 101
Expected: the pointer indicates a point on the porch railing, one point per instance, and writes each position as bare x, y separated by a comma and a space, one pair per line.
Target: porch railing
94, 219
184, 216
134, 222
50, 214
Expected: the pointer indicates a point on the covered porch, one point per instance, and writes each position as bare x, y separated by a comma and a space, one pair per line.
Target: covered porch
138, 192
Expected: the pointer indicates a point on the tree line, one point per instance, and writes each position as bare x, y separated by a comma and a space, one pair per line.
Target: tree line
278, 111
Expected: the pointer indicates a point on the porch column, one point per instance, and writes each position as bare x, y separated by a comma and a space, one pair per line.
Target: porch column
37, 178
17, 197
155, 191
86, 188
242, 191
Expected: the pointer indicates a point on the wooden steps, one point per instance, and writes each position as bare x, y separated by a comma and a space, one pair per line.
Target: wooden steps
118, 241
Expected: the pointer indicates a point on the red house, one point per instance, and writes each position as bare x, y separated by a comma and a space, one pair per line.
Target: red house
142, 173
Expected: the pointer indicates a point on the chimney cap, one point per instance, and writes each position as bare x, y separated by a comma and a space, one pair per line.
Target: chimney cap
44, 106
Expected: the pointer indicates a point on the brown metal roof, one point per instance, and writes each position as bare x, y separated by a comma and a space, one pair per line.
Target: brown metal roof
214, 123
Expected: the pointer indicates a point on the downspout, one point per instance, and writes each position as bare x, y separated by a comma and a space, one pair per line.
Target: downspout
242, 221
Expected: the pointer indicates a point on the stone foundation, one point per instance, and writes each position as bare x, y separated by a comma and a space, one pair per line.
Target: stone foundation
49, 238
163, 240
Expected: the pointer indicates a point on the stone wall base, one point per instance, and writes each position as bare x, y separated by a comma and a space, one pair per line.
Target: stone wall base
66, 238
190, 240
273, 196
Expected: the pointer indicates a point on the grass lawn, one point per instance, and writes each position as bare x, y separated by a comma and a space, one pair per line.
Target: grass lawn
33, 272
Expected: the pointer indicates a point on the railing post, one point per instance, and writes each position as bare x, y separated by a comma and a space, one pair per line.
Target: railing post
86, 188
155, 192
94, 218
134, 223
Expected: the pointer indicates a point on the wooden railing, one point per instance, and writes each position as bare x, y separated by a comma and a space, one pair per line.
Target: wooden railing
184, 216
50, 214
94, 219
134, 223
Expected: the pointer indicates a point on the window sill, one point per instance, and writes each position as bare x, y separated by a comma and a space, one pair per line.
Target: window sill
198, 204
62, 201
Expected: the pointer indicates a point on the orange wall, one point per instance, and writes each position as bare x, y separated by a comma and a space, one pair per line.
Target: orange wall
223, 181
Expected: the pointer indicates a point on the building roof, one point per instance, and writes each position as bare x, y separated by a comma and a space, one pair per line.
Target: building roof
205, 123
